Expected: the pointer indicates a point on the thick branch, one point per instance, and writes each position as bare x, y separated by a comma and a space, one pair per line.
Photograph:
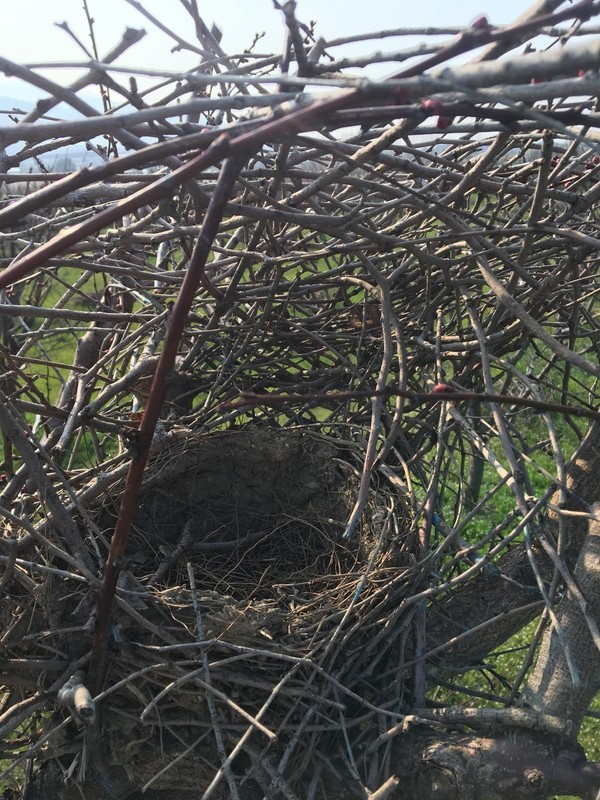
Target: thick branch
551, 686
487, 596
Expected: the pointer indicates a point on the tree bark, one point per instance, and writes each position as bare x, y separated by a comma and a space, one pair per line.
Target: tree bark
519, 766
487, 596
563, 681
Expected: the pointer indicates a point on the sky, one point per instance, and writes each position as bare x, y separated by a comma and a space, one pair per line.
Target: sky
30, 36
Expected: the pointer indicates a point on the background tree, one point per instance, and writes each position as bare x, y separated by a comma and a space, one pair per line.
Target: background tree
299, 415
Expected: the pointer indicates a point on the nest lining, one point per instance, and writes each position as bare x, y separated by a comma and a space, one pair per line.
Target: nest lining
260, 511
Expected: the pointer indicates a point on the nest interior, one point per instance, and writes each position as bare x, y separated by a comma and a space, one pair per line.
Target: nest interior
255, 508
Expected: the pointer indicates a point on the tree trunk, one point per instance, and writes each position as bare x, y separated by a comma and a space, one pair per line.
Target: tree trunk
567, 672
488, 596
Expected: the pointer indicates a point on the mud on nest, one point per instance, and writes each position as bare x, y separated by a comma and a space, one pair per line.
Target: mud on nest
259, 511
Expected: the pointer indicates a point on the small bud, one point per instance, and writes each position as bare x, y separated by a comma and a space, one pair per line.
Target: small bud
432, 106
482, 23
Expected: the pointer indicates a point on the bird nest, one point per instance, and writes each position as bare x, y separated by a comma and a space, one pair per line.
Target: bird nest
242, 610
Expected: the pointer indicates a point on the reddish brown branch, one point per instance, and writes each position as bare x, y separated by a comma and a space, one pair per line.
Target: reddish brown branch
166, 362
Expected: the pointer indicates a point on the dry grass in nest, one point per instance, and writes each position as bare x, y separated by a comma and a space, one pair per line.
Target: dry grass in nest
259, 514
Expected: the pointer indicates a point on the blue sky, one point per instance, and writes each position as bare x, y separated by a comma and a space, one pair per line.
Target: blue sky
29, 33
